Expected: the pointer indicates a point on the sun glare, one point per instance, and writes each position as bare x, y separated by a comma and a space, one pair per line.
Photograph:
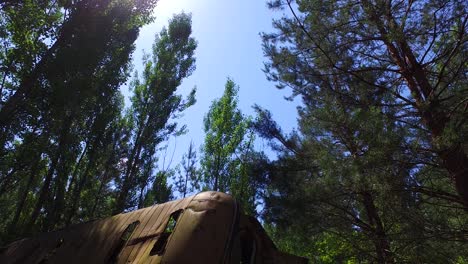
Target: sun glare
169, 7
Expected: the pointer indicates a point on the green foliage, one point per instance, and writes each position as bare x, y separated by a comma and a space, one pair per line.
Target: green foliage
375, 173
228, 149
326, 248
369, 167
154, 103
160, 192
62, 135
68, 151
225, 127
188, 176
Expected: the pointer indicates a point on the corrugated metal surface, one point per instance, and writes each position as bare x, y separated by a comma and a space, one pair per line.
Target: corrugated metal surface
94, 242
209, 229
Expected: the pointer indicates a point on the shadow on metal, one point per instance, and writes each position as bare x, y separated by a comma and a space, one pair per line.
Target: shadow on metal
205, 228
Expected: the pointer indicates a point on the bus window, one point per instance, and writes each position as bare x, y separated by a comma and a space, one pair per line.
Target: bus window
126, 235
160, 245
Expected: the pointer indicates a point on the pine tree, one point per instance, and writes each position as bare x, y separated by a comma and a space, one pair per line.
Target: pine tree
411, 51
367, 163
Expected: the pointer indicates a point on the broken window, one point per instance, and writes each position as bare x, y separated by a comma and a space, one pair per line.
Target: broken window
160, 245
124, 238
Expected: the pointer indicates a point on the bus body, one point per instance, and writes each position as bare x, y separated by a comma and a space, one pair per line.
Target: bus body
205, 228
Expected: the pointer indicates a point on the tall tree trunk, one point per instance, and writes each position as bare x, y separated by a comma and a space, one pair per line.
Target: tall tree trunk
97, 198
104, 179
132, 163
381, 241
77, 192
5, 181
43, 194
27, 87
45, 190
54, 217
217, 174
141, 197
76, 169
454, 158
123, 192
127, 185
18, 165
22, 196
456, 162
185, 184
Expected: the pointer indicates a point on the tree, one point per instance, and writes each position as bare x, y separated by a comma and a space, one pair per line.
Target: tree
117, 22
244, 184
60, 107
413, 51
225, 128
160, 191
366, 166
228, 149
154, 102
368, 198
187, 179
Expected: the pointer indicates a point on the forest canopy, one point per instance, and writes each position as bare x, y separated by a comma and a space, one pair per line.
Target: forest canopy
376, 171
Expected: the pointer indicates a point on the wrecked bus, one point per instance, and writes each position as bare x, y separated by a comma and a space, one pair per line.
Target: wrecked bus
205, 228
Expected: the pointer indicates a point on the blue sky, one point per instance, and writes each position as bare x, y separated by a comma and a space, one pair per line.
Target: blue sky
229, 45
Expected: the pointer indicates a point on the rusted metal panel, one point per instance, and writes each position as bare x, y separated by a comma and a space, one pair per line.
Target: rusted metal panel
133, 242
149, 236
151, 233
204, 228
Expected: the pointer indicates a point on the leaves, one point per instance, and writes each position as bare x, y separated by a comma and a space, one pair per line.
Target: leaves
366, 143
154, 104
227, 154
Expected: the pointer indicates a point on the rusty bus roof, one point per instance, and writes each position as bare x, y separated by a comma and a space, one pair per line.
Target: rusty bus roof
209, 230
93, 241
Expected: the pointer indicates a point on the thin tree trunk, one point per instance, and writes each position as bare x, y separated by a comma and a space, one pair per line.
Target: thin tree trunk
78, 188
74, 196
185, 185
141, 198
101, 186
22, 196
5, 181
18, 165
122, 197
54, 217
96, 199
77, 166
133, 163
43, 194
216, 183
